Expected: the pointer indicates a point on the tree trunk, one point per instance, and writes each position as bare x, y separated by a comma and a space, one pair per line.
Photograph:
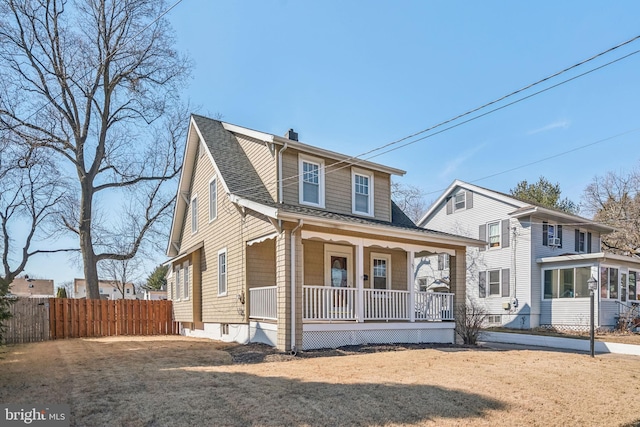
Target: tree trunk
86, 242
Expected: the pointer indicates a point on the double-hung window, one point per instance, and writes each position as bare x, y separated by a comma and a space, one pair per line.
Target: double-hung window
178, 282
311, 181
494, 234
494, 282
194, 214
381, 271
362, 192
213, 199
222, 272
185, 284
459, 201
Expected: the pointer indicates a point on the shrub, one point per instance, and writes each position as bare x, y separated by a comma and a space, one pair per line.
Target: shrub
469, 319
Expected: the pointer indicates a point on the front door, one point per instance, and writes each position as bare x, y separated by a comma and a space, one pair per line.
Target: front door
338, 262
339, 272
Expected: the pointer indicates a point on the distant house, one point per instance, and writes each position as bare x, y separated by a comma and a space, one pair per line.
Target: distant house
154, 295
293, 245
34, 288
108, 289
533, 269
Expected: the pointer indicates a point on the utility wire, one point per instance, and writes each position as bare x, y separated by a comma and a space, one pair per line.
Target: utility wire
357, 160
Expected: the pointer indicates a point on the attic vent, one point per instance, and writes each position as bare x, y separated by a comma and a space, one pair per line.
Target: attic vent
291, 134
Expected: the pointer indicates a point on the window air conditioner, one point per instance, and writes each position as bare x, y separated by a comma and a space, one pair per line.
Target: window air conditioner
555, 241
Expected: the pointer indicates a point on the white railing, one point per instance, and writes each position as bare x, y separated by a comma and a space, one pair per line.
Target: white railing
327, 303
382, 304
434, 306
263, 303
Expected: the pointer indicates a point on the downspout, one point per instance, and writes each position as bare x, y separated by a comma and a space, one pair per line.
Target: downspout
280, 196
293, 287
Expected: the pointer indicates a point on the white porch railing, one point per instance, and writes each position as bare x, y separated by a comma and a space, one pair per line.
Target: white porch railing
381, 304
434, 306
263, 303
323, 303
327, 303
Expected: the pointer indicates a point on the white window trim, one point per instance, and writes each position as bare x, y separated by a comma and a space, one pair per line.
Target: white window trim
488, 284
387, 258
499, 235
464, 197
608, 297
369, 175
303, 158
214, 179
194, 217
584, 249
555, 233
177, 287
186, 292
338, 250
226, 272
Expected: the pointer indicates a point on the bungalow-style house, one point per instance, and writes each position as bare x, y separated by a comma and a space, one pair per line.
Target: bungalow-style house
31, 288
109, 289
285, 243
534, 268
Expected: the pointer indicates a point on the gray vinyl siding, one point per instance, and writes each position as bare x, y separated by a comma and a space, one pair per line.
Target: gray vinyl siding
467, 222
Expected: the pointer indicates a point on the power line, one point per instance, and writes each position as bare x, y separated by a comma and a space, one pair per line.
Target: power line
350, 161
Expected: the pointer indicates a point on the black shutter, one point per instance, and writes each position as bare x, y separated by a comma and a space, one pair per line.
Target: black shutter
449, 206
559, 236
505, 282
469, 201
577, 245
482, 284
482, 235
506, 237
588, 243
545, 234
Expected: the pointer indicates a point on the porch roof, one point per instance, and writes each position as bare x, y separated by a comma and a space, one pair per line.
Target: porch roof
597, 256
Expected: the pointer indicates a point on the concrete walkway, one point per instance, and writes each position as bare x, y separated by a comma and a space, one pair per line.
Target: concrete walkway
559, 343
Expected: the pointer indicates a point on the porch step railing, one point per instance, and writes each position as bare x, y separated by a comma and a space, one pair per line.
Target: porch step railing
381, 304
327, 303
263, 303
434, 306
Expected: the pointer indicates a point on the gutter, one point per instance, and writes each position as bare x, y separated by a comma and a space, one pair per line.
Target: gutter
293, 286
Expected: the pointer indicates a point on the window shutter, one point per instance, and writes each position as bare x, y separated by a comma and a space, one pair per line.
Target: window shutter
505, 282
482, 235
440, 261
577, 245
545, 235
588, 243
482, 284
469, 201
560, 235
506, 236
449, 206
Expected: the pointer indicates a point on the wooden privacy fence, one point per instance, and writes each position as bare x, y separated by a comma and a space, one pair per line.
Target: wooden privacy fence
77, 318
40, 319
29, 321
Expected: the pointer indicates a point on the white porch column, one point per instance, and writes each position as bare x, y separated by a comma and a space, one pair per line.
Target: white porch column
359, 282
411, 285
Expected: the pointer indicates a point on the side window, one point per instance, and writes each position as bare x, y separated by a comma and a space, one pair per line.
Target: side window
194, 214
213, 199
222, 272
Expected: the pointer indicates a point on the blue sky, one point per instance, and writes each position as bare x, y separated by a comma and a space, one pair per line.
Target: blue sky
350, 76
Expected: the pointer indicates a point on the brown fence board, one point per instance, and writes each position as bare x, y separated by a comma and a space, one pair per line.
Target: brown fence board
39, 319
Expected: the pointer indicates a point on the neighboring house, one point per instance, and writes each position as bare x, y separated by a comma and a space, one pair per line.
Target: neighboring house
108, 289
276, 241
33, 288
154, 295
534, 268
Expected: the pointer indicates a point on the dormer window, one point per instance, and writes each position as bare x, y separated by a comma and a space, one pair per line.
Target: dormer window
311, 181
362, 192
459, 201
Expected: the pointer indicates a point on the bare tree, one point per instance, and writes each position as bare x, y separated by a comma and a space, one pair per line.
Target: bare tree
30, 197
614, 199
96, 84
410, 199
122, 273
469, 320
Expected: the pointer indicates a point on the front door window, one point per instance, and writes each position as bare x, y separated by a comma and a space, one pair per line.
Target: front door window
338, 271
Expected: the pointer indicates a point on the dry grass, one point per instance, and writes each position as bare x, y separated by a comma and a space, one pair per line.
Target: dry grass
176, 381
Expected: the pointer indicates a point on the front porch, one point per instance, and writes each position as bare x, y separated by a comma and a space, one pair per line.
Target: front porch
328, 288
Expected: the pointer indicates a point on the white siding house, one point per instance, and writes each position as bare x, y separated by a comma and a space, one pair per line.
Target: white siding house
534, 268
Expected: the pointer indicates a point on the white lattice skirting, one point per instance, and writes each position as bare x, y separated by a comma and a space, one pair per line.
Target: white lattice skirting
315, 336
